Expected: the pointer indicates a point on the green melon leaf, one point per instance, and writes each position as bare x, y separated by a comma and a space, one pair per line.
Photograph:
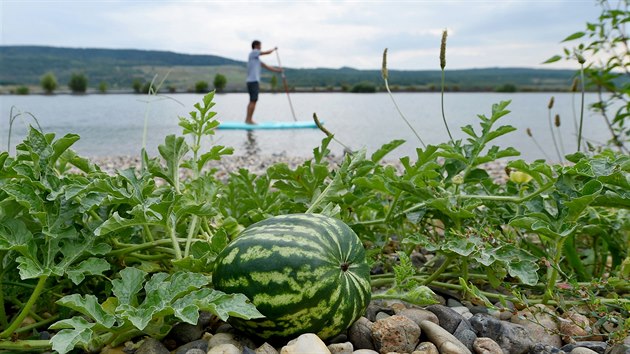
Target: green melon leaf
74, 332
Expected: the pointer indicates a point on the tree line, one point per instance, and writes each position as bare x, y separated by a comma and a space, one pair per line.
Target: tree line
78, 84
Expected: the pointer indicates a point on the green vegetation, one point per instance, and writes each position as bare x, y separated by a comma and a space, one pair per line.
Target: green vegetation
136, 85
102, 87
78, 83
219, 82
115, 257
22, 90
363, 87
49, 83
201, 87
274, 83
507, 88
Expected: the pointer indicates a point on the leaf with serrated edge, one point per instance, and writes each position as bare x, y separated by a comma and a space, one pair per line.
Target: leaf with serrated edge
90, 266
88, 306
220, 304
76, 331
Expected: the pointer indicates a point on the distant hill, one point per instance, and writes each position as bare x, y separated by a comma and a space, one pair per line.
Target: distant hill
25, 65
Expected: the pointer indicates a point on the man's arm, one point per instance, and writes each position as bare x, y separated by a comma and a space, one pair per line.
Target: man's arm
268, 51
270, 68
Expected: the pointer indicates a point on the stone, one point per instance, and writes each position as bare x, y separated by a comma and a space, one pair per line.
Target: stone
307, 343
418, 315
341, 348
381, 315
266, 348
360, 334
582, 350
512, 338
448, 318
485, 345
478, 309
541, 348
621, 348
450, 348
426, 348
395, 334
197, 344
453, 303
574, 327
152, 346
540, 323
365, 351
463, 310
230, 338
467, 337
196, 351
439, 336
597, 346
183, 332
226, 348
248, 350
117, 350
374, 308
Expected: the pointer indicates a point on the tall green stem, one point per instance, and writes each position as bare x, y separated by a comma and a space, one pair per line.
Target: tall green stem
191, 232
402, 115
439, 271
553, 271
25, 345
443, 115
26, 309
581, 108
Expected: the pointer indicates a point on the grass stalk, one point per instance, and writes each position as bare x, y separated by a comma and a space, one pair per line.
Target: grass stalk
551, 130
385, 74
442, 66
529, 133
581, 125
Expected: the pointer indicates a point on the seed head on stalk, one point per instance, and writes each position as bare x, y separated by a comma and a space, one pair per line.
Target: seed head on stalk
443, 65
384, 72
443, 49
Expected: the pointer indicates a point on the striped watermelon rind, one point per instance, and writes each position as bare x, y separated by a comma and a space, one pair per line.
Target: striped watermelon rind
305, 272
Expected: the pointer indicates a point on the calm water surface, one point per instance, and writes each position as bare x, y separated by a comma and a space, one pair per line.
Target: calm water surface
113, 124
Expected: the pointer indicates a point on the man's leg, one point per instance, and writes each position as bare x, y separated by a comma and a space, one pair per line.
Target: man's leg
250, 112
252, 88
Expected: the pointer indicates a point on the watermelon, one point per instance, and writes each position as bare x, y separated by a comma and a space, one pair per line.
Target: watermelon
305, 272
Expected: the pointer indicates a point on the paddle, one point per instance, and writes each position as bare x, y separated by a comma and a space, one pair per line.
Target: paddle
286, 86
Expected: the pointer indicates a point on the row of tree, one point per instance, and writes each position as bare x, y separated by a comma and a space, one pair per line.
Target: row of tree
78, 83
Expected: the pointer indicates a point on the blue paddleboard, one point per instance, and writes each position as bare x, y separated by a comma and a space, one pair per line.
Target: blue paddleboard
268, 125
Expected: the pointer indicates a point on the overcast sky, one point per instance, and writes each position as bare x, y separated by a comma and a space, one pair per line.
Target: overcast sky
491, 33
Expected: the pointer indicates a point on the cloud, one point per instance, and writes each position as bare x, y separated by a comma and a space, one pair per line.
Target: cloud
309, 33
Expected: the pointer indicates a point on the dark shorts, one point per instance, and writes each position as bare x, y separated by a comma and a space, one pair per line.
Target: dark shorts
253, 88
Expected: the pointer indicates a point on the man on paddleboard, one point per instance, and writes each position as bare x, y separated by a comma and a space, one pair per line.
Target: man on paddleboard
253, 77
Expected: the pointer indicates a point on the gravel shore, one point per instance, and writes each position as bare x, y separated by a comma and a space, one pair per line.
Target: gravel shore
258, 164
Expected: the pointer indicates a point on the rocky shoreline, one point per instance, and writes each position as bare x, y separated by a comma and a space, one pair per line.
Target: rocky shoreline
449, 328
257, 164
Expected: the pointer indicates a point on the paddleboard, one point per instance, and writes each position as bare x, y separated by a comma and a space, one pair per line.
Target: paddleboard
268, 125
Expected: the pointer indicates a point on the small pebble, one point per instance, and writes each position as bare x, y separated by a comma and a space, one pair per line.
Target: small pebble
365, 351
341, 348
582, 350
426, 348
266, 348
484, 345
307, 343
225, 349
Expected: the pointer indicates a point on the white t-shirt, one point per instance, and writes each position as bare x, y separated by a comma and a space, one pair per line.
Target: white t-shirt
253, 66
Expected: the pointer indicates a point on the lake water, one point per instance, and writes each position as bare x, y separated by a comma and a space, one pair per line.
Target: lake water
112, 124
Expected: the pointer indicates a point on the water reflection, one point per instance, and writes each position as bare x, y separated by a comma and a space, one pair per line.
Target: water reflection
251, 145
